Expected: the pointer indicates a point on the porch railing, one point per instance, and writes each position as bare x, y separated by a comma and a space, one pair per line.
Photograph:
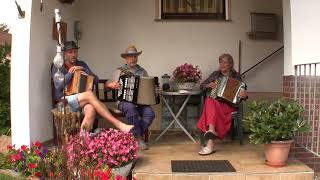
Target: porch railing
307, 93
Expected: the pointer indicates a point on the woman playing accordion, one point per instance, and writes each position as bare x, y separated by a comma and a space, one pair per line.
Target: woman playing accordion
216, 117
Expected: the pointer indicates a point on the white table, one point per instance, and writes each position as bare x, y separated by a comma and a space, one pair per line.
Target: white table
176, 117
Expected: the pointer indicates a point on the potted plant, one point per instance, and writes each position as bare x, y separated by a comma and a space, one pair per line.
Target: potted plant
185, 76
109, 154
275, 125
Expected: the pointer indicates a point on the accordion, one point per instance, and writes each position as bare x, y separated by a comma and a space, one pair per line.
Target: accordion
80, 83
228, 90
139, 90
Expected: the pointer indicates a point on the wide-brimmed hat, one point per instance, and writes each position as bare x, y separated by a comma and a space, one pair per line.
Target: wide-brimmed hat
70, 45
131, 51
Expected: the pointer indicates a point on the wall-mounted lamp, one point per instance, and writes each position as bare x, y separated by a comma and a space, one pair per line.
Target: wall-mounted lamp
21, 14
77, 30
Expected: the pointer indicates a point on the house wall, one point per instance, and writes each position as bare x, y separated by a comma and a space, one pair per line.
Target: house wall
32, 54
109, 26
301, 33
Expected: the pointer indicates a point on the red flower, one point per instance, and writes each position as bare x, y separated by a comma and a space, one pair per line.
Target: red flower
38, 152
118, 177
109, 171
32, 166
37, 144
9, 147
38, 174
24, 148
51, 174
16, 157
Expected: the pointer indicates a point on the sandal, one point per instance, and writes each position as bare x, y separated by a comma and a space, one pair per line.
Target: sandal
206, 151
210, 135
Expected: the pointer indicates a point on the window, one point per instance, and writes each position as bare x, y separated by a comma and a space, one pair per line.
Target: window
194, 9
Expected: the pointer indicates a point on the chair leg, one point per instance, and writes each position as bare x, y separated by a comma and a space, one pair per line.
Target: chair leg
234, 124
240, 129
202, 139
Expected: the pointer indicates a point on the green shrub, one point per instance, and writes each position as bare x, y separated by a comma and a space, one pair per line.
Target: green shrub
275, 122
4, 89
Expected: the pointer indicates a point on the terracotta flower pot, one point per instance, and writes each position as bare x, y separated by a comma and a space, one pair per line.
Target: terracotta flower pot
277, 153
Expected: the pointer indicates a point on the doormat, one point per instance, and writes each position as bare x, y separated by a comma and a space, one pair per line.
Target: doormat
202, 166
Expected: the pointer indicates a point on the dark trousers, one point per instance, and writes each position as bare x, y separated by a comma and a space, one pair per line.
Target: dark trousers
140, 116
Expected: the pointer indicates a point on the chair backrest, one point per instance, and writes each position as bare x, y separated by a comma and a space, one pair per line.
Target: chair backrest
103, 94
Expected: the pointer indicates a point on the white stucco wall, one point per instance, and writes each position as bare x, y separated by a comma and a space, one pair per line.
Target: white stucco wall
20, 100
288, 65
305, 31
301, 33
109, 26
33, 52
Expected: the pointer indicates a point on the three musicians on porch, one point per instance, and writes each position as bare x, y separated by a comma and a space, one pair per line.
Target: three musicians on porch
215, 120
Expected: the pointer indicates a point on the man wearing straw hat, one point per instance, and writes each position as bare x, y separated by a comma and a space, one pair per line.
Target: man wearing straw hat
141, 116
85, 101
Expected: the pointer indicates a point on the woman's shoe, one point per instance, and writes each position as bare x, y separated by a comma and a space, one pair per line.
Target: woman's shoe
210, 135
206, 151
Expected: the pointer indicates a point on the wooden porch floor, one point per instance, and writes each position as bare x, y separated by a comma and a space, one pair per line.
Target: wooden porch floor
248, 160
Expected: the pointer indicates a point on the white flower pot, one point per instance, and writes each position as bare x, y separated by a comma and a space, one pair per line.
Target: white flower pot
123, 170
185, 86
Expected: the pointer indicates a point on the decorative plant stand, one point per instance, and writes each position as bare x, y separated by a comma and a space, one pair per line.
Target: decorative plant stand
66, 124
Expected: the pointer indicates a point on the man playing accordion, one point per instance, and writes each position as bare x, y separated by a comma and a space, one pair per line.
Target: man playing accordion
85, 101
141, 116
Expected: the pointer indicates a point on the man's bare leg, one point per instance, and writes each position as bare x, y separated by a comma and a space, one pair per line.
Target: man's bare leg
89, 117
89, 98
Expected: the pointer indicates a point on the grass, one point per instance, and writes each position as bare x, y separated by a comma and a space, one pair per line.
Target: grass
7, 177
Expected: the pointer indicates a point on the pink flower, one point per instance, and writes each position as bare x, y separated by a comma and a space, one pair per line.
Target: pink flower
187, 73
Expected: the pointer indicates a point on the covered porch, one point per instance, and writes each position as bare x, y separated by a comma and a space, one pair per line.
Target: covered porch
107, 27
247, 159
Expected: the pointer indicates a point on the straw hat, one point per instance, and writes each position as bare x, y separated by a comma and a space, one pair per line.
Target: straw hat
131, 51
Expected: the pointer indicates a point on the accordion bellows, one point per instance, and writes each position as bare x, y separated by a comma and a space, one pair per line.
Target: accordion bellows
80, 83
139, 90
228, 90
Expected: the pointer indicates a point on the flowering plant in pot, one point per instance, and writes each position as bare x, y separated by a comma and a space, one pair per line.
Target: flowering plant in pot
101, 155
186, 76
275, 125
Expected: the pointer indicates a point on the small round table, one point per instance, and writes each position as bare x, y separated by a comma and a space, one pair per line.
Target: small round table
188, 94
